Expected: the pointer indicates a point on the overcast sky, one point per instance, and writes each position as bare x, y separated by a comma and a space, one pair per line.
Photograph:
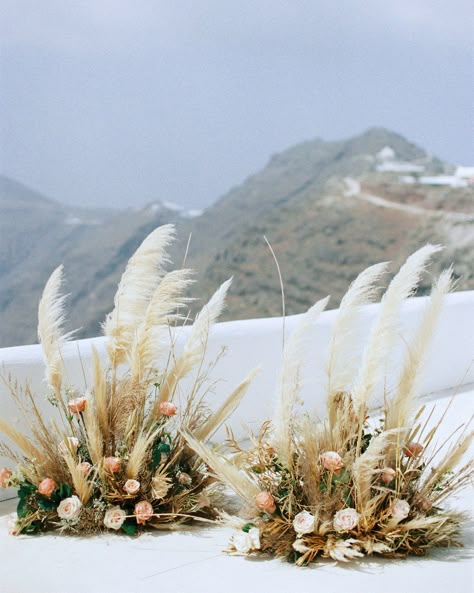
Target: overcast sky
120, 102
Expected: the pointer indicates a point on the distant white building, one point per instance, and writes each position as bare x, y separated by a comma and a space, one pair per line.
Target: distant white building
448, 180
466, 173
386, 154
399, 167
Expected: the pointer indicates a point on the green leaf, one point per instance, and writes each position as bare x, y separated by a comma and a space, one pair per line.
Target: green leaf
25, 489
23, 509
129, 528
247, 527
47, 504
64, 491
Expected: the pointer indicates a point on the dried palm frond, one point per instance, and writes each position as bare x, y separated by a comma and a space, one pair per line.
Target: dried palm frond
119, 460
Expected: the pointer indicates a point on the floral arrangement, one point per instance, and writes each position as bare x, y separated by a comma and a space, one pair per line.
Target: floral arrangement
350, 485
113, 457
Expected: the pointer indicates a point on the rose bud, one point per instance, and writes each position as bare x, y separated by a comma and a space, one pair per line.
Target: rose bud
266, 502
69, 508
131, 486
5, 475
185, 479
47, 487
113, 464
114, 518
332, 461
424, 504
77, 405
84, 467
413, 449
388, 475
345, 520
143, 512
400, 509
167, 409
303, 523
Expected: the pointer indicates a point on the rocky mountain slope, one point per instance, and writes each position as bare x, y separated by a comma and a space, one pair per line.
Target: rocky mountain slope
329, 209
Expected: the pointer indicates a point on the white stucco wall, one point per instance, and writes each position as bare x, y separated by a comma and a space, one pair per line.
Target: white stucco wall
258, 342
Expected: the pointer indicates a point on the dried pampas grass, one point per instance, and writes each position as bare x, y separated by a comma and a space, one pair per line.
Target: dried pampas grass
116, 458
350, 485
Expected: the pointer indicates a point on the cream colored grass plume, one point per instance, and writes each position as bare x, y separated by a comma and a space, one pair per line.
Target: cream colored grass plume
119, 460
383, 332
350, 485
50, 329
398, 409
340, 358
290, 381
195, 345
137, 285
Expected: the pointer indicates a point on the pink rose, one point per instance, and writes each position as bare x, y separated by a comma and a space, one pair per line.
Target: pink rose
167, 409
70, 508
113, 464
114, 518
84, 467
345, 520
143, 512
413, 449
70, 445
77, 405
47, 487
266, 502
131, 486
303, 523
388, 475
400, 509
5, 475
332, 461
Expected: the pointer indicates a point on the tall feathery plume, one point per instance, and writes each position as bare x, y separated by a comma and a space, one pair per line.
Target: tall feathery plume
217, 418
195, 344
135, 290
162, 311
398, 409
290, 380
238, 480
362, 291
50, 330
383, 332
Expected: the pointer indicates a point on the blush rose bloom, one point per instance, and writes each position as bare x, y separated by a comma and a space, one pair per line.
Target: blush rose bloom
114, 518
70, 508
84, 467
246, 542
167, 409
345, 520
266, 502
77, 405
413, 449
400, 509
113, 464
47, 487
5, 475
70, 444
388, 475
143, 512
332, 461
303, 523
131, 486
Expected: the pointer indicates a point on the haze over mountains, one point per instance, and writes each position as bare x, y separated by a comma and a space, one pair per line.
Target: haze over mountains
329, 210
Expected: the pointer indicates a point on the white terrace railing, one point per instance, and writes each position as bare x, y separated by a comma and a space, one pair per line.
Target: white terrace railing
259, 342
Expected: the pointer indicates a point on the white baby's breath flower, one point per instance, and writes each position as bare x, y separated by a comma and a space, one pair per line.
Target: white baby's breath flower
303, 523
